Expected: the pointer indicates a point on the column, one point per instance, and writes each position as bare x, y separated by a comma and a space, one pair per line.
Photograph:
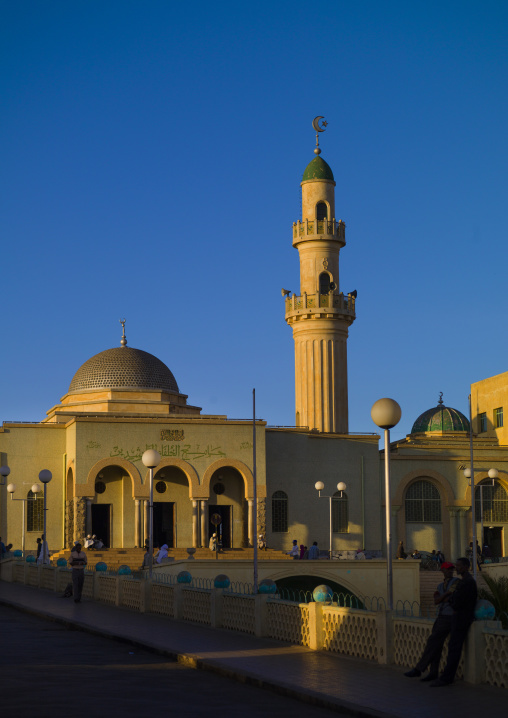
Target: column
146, 521
137, 524
88, 520
75, 528
463, 535
194, 523
204, 523
454, 536
250, 518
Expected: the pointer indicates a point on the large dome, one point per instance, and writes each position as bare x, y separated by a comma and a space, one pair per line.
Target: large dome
440, 418
126, 368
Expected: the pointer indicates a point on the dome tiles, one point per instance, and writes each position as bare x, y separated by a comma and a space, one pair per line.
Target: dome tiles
318, 169
123, 367
440, 418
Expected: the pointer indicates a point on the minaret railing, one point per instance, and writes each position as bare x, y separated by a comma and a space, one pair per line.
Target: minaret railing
342, 302
325, 227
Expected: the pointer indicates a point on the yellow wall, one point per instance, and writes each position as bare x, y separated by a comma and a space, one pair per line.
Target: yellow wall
487, 395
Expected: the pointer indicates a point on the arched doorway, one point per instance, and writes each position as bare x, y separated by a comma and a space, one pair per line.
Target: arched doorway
113, 492
227, 503
172, 509
493, 499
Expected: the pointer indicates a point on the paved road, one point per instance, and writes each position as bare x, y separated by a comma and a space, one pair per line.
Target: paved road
48, 670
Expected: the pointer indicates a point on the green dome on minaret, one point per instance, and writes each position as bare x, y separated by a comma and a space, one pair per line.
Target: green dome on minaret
318, 169
440, 418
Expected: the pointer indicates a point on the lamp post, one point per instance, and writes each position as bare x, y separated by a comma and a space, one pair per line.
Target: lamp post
4, 473
469, 474
11, 488
151, 459
319, 486
45, 476
386, 414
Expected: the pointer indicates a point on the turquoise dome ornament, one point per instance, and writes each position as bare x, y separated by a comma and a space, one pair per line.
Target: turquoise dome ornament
62, 562
124, 570
101, 566
267, 586
17, 553
184, 577
31, 559
222, 581
322, 594
484, 610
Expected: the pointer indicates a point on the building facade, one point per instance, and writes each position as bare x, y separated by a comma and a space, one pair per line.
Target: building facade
123, 401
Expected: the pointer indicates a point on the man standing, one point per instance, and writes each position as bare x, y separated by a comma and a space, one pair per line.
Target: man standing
314, 551
295, 551
463, 602
78, 563
441, 628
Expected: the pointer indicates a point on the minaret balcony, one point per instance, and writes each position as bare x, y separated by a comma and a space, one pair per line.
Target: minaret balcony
334, 306
319, 229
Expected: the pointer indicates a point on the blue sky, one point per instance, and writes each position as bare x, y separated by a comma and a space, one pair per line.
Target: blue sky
151, 166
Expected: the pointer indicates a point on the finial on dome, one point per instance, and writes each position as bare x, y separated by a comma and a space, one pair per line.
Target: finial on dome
315, 125
440, 398
123, 340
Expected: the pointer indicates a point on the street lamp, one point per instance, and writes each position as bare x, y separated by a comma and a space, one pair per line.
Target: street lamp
45, 476
386, 414
11, 488
493, 474
4, 473
319, 486
151, 459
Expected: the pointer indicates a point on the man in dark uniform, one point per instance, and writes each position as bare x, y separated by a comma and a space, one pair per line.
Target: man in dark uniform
442, 626
463, 601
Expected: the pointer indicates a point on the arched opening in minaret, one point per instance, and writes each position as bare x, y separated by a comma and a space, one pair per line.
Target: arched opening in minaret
321, 211
324, 283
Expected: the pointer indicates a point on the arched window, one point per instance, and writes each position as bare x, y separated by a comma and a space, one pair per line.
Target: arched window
321, 211
340, 513
324, 283
423, 503
279, 512
34, 512
495, 503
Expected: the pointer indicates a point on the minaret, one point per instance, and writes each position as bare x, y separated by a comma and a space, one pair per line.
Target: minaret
321, 314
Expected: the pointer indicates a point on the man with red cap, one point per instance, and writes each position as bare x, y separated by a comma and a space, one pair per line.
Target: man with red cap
441, 628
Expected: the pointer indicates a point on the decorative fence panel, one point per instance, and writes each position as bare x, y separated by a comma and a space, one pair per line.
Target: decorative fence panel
107, 589
350, 632
196, 605
163, 600
496, 658
63, 577
409, 638
32, 576
48, 577
289, 622
239, 613
131, 593
88, 585
18, 574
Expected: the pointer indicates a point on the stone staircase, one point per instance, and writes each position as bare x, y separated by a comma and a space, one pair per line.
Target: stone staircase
133, 557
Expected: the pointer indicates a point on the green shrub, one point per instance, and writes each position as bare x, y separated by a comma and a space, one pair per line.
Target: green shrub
497, 594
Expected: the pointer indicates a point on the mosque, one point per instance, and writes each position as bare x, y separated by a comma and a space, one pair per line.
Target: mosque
123, 401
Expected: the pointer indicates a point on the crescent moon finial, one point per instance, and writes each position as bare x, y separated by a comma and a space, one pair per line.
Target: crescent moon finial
318, 128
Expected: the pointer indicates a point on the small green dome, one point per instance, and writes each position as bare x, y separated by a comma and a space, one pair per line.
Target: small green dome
318, 169
440, 418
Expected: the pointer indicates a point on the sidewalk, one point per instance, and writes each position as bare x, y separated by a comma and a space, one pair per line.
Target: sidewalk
359, 687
